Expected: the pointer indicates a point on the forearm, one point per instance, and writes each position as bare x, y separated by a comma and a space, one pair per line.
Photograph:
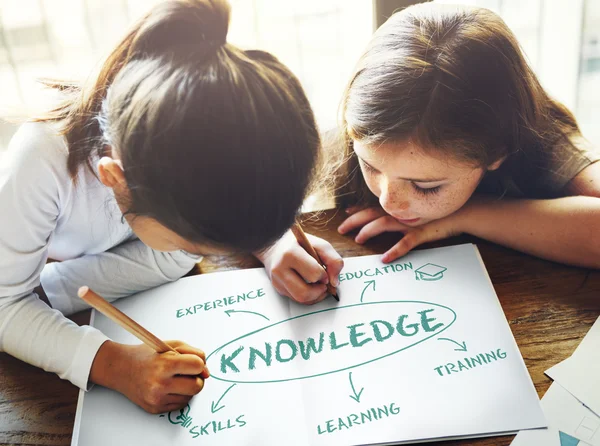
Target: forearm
563, 229
38, 335
124, 270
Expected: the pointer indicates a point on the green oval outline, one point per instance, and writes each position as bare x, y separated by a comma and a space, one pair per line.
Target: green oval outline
322, 311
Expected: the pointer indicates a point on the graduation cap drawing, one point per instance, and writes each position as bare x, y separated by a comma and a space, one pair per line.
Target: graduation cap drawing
430, 272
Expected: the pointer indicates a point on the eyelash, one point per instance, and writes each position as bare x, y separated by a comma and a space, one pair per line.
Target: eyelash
426, 191
368, 168
420, 190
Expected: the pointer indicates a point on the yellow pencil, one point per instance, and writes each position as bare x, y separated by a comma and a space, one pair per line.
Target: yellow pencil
123, 320
304, 243
117, 316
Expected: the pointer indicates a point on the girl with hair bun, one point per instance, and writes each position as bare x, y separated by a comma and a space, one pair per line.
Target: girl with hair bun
181, 145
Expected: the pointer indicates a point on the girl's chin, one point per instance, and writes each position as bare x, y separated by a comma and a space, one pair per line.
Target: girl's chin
413, 222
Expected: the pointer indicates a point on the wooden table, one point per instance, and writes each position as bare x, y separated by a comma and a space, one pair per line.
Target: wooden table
550, 307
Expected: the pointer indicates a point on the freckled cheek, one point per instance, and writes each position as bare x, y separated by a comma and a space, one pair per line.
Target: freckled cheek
447, 203
434, 206
427, 207
392, 197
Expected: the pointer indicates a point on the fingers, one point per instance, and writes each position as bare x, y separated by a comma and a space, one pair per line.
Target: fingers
378, 226
408, 242
353, 209
292, 285
184, 348
430, 232
179, 404
360, 218
185, 385
171, 403
330, 257
321, 298
187, 364
307, 267
189, 350
296, 274
160, 397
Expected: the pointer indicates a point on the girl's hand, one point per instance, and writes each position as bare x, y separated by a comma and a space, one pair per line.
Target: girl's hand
375, 221
294, 273
157, 382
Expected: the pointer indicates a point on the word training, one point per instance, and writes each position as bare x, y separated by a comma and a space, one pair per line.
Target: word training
470, 363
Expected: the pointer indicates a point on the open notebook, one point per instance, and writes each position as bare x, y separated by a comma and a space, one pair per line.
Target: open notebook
414, 351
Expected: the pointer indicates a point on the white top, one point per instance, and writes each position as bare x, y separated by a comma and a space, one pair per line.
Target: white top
44, 215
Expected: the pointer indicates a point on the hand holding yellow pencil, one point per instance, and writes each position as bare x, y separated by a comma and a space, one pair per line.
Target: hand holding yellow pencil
156, 382
305, 244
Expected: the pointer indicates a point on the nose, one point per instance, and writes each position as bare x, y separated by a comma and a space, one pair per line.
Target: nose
392, 198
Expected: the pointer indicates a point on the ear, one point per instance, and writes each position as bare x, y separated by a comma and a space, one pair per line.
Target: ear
111, 174
496, 164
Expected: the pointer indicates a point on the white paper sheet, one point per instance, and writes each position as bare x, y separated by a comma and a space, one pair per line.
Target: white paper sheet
580, 374
404, 356
566, 414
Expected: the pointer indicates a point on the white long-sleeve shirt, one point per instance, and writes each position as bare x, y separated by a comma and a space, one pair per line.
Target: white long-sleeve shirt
43, 214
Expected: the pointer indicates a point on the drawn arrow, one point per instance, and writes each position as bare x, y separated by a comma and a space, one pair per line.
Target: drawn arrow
228, 313
213, 405
367, 283
463, 346
356, 396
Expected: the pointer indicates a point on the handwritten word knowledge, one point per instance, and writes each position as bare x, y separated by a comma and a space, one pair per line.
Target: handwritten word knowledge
265, 355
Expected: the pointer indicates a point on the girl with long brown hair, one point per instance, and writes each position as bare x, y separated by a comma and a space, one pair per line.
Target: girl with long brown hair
447, 131
181, 145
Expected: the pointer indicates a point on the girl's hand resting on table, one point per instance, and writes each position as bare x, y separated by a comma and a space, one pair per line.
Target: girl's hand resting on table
295, 274
374, 221
157, 382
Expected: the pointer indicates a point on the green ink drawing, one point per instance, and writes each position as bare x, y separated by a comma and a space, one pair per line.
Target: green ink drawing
219, 303
333, 342
214, 407
462, 347
470, 362
228, 313
206, 428
293, 350
367, 284
356, 396
227, 361
373, 272
356, 419
258, 356
355, 334
267, 357
430, 272
377, 331
305, 348
181, 417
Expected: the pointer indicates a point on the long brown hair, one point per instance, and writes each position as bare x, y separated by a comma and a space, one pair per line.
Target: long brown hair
218, 144
453, 80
